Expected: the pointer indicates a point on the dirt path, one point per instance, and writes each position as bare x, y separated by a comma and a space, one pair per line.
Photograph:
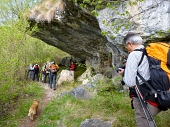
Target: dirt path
49, 95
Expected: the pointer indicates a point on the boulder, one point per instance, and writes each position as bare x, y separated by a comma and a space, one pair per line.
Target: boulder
65, 76
95, 123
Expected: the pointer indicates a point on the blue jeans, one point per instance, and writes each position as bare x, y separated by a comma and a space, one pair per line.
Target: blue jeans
31, 74
53, 80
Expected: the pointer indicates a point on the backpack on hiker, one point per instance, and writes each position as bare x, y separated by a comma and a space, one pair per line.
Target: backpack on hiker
36, 68
54, 68
158, 55
44, 69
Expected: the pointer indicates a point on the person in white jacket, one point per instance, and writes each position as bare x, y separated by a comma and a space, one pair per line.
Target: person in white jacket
133, 43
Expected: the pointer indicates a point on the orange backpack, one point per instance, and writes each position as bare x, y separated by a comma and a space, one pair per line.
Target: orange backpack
161, 52
158, 55
54, 68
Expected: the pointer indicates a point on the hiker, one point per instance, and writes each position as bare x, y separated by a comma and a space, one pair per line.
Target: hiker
48, 71
43, 72
53, 75
132, 43
31, 72
72, 68
36, 72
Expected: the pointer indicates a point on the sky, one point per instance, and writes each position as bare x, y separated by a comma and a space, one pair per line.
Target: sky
10, 9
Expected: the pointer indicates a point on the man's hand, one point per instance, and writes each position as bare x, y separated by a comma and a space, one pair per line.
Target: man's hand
121, 71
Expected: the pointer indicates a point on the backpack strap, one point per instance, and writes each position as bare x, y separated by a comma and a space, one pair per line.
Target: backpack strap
143, 50
147, 84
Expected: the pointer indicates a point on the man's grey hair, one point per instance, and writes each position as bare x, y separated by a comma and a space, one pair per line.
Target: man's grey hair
133, 38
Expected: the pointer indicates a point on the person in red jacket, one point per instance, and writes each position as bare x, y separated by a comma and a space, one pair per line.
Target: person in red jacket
72, 68
36, 72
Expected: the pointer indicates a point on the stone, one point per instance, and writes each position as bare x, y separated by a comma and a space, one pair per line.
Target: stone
79, 92
95, 123
65, 76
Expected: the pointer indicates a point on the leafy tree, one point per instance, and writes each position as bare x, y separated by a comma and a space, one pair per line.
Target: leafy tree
17, 51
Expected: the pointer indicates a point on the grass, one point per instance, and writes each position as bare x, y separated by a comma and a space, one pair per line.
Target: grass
29, 92
79, 70
70, 112
107, 105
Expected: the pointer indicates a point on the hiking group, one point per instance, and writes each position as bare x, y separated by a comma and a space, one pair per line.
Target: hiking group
147, 74
48, 72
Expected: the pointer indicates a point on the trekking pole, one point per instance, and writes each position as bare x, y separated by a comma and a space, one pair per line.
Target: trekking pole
142, 101
139, 96
146, 106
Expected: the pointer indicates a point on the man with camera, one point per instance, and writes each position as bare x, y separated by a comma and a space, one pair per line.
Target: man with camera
133, 43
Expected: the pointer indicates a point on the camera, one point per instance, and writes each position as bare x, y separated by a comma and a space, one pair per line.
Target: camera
117, 68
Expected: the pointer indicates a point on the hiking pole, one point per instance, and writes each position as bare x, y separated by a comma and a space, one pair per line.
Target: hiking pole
146, 106
139, 96
142, 101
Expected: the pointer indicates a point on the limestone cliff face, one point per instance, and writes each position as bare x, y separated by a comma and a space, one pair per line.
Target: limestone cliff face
150, 19
74, 30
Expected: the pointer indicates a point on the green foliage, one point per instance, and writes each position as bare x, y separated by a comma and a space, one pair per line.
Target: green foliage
132, 3
168, 31
18, 50
104, 33
160, 33
152, 36
112, 37
26, 95
95, 13
79, 71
